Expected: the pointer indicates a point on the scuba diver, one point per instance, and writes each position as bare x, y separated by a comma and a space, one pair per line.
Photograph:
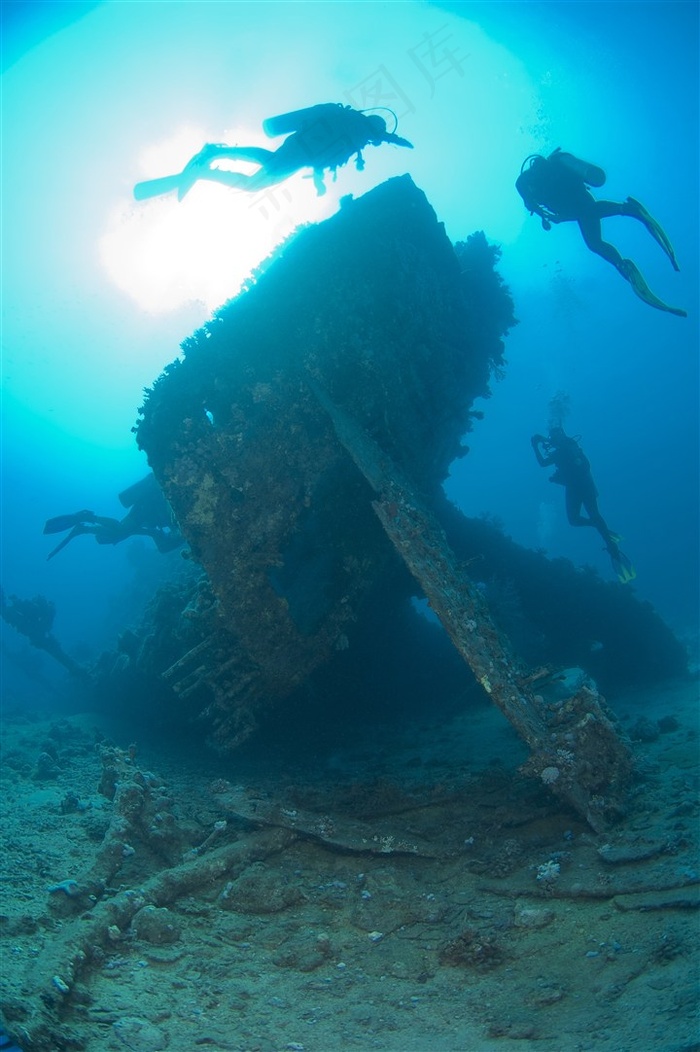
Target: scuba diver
323, 137
556, 189
33, 618
149, 515
573, 471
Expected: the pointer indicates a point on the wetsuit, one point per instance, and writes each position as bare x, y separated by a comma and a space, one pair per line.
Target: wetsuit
556, 193
573, 472
328, 136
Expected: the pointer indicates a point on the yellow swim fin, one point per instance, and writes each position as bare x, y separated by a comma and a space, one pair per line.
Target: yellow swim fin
655, 229
623, 567
630, 272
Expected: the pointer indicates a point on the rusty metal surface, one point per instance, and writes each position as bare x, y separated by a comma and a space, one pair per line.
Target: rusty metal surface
375, 305
574, 746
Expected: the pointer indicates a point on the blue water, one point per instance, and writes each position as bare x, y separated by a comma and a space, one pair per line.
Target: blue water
98, 292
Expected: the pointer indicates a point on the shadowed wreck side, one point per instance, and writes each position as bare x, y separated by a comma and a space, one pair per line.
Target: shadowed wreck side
302, 443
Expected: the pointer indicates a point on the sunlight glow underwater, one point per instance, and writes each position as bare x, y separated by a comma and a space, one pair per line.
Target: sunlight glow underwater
102, 290
124, 282
164, 254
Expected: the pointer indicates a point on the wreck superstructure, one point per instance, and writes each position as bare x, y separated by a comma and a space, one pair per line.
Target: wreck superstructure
302, 442
376, 308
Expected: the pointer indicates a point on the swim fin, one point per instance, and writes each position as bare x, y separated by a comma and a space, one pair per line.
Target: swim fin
630, 272
66, 522
192, 170
622, 566
75, 532
182, 182
655, 229
155, 187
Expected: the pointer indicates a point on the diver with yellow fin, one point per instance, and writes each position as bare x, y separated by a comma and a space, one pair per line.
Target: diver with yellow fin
573, 472
322, 137
556, 188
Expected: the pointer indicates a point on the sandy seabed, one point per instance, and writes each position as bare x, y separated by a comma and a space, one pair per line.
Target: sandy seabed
410, 895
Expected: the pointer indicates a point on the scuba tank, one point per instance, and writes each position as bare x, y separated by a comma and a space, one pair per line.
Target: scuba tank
591, 174
295, 119
145, 489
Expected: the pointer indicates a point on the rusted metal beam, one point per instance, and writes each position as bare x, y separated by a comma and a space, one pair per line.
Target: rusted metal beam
574, 746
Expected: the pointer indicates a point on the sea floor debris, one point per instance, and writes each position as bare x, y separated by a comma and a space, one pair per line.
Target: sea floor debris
383, 901
302, 441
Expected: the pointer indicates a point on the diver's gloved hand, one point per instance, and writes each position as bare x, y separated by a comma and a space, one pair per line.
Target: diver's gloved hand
547, 219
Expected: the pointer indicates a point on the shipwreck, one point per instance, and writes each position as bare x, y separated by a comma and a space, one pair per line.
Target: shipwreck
302, 441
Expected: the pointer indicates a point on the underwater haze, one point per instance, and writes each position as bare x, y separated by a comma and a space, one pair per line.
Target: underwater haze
264, 785
99, 290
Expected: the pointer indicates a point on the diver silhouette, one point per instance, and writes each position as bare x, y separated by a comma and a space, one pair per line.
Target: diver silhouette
323, 138
556, 188
149, 515
573, 472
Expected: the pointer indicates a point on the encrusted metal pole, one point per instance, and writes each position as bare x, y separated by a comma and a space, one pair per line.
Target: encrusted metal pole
575, 748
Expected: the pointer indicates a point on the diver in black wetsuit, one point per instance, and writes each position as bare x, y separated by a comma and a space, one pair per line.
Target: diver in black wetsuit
573, 472
149, 515
556, 188
323, 138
